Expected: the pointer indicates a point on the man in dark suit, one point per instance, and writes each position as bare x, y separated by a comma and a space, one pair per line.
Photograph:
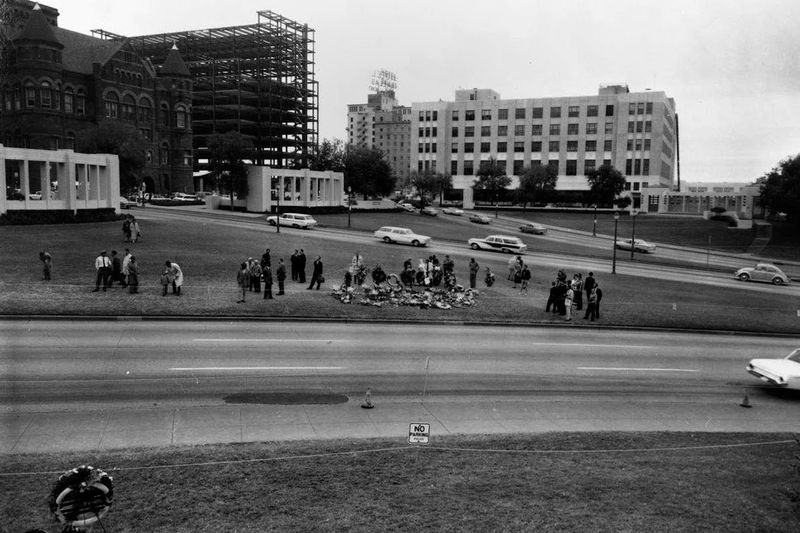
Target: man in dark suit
316, 274
301, 266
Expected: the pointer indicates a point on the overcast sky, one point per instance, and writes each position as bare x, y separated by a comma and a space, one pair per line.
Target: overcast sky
733, 66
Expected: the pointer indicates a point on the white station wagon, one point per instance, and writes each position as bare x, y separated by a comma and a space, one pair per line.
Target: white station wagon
295, 220
499, 243
390, 234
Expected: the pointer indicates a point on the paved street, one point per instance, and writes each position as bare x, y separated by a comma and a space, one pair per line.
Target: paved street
111, 384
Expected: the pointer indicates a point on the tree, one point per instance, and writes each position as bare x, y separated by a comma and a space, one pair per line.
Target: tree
430, 183
537, 183
124, 140
780, 189
329, 155
605, 184
492, 178
367, 172
227, 153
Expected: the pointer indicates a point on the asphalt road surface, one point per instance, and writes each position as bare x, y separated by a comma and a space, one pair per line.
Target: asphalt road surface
89, 364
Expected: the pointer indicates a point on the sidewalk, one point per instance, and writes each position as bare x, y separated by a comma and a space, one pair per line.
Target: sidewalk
108, 429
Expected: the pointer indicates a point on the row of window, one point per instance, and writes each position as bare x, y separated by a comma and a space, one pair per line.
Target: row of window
128, 109
45, 96
637, 167
518, 167
640, 108
520, 130
536, 112
519, 146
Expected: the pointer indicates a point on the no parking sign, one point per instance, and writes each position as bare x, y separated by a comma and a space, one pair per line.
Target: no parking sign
419, 433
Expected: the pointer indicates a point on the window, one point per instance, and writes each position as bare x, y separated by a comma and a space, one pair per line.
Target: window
421, 116
502, 131
519, 112
589, 166
427, 116
427, 148
435, 115
502, 146
128, 107
486, 147
646, 167
591, 111
45, 95
536, 130
572, 129
555, 129
606, 162
519, 130
454, 116
427, 132
591, 146
572, 146
518, 167
632, 108
469, 131
609, 129
640, 108
519, 146
486, 131
419, 148
454, 131
553, 146
610, 110
572, 167
501, 166
187, 158
68, 100
555, 112
629, 166
629, 145
631, 127
112, 105
574, 111
454, 148
469, 148
486, 114
469, 115
163, 154
637, 168
639, 127
502, 114
419, 166
638, 144
145, 110
30, 96
649, 108
80, 102
647, 144
648, 126
469, 168
164, 115
536, 146
453, 168
553, 165
538, 112
607, 145
591, 128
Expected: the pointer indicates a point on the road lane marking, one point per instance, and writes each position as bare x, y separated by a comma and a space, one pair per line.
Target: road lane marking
265, 340
238, 368
636, 369
581, 345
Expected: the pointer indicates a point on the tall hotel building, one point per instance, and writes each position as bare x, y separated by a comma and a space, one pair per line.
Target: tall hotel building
637, 133
382, 124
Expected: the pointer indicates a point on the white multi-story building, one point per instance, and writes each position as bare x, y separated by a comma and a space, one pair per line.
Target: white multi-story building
637, 133
383, 124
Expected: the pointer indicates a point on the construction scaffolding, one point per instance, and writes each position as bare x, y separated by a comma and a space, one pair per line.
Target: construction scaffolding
256, 79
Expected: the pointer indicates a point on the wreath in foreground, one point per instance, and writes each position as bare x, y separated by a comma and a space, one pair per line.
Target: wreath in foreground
81, 497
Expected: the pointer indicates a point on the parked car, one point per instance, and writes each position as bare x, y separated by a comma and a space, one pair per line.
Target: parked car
763, 272
295, 220
430, 211
124, 203
783, 372
533, 227
499, 243
390, 234
480, 219
36, 195
407, 206
638, 245
453, 211
183, 197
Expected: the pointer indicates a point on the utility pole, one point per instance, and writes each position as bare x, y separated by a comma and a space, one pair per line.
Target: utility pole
614, 260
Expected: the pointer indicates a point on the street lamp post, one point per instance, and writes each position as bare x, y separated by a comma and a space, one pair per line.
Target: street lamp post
278, 208
633, 233
614, 260
594, 224
349, 204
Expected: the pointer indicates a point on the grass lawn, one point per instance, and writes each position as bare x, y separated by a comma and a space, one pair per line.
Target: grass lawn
548, 482
210, 253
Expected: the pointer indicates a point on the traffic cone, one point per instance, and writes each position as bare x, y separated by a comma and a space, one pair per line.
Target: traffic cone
746, 400
367, 404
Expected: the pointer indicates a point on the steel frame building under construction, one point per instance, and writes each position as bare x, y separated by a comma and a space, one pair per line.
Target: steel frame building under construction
256, 79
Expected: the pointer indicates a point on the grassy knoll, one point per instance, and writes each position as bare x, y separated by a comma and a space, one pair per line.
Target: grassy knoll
546, 482
210, 253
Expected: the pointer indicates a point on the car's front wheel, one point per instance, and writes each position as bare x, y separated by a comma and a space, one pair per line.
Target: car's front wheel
474, 246
744, 276
271, 222
777, 281
415, 242
387, 240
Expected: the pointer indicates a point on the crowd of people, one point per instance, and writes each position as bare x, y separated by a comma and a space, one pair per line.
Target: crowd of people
568, 294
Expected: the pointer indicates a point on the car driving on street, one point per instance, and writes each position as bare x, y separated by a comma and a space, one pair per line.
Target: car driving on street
499, 243
479, 219
783, 372
295, 220
638, 245
765, 272
533, 227
453, 211
390, 234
